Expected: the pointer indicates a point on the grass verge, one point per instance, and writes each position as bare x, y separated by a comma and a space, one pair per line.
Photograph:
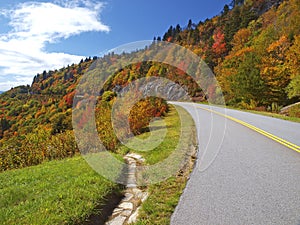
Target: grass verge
168, 139
56, 192
164, 196
269, 114
275, 115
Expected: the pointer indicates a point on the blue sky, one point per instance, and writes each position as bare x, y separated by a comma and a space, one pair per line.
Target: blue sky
49, 34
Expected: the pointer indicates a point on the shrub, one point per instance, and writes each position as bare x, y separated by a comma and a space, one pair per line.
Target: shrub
34, 148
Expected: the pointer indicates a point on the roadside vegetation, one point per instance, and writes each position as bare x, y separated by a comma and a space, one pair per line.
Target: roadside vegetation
291, 117
164, 196
293, 113
278, 116
67, 191
172, 124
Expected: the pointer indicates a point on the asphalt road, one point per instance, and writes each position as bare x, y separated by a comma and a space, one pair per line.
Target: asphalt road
241, 176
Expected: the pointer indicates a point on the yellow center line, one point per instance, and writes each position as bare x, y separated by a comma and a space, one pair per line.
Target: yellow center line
263, 132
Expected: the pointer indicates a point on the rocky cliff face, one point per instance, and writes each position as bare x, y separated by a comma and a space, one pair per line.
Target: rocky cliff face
264, 6
157, 87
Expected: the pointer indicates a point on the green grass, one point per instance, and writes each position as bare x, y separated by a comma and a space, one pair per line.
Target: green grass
164, 196
162, 201
57, 192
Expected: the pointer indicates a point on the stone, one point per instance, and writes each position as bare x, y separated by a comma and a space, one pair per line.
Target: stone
133, 195
131, 170
116, 212
133, 217
134, 156
128, 197
132, 185
119, 220
137, 192
144, 196
130, 161
131, 182
142, 160
126, 205
126, 213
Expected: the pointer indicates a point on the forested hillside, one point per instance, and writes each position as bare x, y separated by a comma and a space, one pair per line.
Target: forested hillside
252, 46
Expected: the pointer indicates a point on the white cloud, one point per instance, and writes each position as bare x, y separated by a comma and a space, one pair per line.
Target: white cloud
12, 81
34, 24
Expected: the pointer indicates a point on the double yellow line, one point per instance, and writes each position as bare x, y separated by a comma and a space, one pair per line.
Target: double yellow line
265, 133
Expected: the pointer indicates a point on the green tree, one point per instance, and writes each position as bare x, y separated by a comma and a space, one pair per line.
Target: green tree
190, 25
247, 84
60, 122
225, 10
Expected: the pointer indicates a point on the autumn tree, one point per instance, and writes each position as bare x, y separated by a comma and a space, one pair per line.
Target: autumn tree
219, 46
275, 72
240, 39
293, 63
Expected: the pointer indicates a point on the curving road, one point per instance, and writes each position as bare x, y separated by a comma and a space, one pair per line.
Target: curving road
241, 176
